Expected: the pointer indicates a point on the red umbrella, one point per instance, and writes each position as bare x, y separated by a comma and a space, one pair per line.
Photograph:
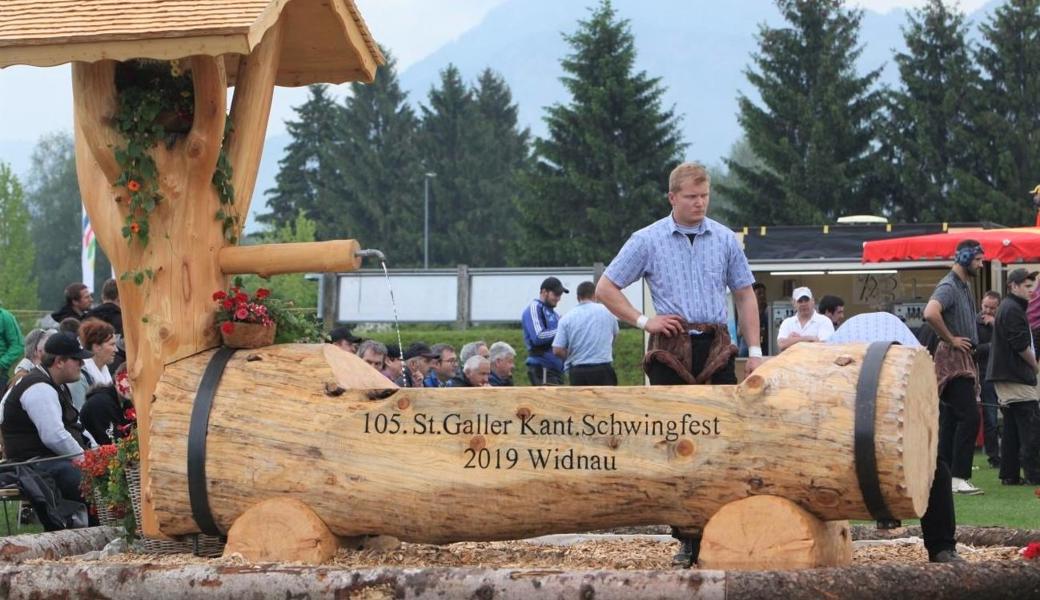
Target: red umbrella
1005, 245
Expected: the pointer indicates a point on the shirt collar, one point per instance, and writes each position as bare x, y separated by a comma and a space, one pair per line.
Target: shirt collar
701, 228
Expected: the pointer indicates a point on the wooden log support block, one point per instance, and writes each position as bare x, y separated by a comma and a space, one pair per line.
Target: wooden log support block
281, 530
767, 533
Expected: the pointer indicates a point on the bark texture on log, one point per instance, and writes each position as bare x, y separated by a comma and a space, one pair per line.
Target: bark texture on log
994, 580
55, 544
277, 431
771, 533
966, 534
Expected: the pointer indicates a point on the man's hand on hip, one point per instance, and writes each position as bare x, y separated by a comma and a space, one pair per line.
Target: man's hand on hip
667, 325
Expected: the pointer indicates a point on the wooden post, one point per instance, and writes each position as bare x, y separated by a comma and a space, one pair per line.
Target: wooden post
462, 298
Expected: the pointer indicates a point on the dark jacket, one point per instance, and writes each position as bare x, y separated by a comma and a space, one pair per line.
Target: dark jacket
21, 438
109, 313
65, 312
1010, 336
497, 381
104, 413
459, 381
982, 350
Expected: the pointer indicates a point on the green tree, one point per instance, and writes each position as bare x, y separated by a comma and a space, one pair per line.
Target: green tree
1006, 132
723, 180
815, 127
18, 284
52, 195
293, 287
602, 171
925, 139
377, 185
450, 131
306, 169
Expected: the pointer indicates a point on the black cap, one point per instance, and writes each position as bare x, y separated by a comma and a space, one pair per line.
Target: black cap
393, 351
418, 349
1019, 275
343, 333
66, 344
553, 285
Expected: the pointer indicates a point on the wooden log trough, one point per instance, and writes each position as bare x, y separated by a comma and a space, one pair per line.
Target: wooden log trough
314, 424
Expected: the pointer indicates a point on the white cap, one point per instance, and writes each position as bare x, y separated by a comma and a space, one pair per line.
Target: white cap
800, 293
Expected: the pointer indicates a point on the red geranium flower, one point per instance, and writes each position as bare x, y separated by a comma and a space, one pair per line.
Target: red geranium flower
241, 313
133, 186
130, 414
240, 297
227, 327
262, 293
228, 304
1031, 551
219, 295
135, 227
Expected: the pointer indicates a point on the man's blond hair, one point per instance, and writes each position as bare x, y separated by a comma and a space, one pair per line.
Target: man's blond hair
687, 170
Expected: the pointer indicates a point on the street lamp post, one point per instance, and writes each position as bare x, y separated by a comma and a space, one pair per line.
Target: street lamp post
426, 218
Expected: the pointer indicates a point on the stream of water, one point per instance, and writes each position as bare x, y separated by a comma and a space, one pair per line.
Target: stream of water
393, 303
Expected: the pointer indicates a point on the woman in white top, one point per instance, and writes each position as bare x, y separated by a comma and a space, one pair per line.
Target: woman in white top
98, 337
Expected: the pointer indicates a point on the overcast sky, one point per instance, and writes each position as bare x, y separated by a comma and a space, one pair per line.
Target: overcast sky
35, 101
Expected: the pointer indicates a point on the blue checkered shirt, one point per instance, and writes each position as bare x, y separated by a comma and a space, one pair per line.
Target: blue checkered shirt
685, 279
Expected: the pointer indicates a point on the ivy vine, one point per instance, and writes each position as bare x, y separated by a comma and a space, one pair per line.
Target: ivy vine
156, 103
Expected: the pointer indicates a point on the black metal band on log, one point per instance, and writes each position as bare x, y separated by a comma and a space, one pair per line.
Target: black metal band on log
198, 429
864, 442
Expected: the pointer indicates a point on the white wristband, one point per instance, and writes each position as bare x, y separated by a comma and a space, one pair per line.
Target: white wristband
641, 321
754, 351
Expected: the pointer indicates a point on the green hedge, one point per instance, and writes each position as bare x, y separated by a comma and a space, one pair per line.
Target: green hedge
628, 349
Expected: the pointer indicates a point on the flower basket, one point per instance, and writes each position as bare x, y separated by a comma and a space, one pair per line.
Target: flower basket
104, 515
248, 335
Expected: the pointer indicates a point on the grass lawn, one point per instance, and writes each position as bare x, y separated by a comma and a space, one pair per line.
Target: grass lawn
1003, 505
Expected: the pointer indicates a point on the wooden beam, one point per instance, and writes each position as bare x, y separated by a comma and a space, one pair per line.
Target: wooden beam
121, 50
94, 99
250, 112
306, 257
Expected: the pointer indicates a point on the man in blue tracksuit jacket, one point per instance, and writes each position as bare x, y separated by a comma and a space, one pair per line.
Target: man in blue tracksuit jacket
539, 321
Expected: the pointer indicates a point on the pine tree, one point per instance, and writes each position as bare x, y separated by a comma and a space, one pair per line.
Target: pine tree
1006, 132
602, 171
815, 126
450, 132
925, 138
502, 151
18, 283
304, 171
377, 189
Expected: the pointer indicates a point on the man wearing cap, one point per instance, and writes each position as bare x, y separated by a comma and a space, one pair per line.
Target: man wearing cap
39, 418
539, 322
1012, 368
688, 260
806, 325
444, 366
951, 314
417, 360
343, 338
393, 366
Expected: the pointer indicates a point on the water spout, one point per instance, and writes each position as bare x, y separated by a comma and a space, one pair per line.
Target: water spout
371, 252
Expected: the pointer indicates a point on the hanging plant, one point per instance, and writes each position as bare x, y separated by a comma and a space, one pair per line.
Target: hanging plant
156, 104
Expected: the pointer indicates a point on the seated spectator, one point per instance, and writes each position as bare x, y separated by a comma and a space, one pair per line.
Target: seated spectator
99, 338
373, 353
33, 344
806, 325
78, 301
393, 366
443, 366
471, 349
503, 359
417, 362
109, 310
343, 338
108, 413
69, 325
39, 419
475, 373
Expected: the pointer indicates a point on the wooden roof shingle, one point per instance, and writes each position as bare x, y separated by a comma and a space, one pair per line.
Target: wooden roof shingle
324, 41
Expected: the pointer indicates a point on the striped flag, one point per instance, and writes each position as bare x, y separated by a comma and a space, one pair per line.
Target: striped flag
89, 245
